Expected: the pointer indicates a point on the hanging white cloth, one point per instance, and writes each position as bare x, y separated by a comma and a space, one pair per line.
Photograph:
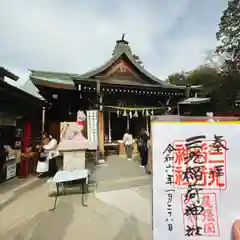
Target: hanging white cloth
42, 167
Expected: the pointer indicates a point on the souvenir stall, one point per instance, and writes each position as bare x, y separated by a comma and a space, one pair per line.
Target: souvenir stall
9, 163
16, 108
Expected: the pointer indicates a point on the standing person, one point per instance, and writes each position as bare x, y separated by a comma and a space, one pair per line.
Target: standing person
143, 147
3, 155
52, 149
43, 164
128, 142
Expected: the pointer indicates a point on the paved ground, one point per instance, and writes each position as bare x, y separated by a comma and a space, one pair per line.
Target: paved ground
120, 209
12, 189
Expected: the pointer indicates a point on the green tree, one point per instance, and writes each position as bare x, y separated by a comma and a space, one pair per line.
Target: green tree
228, 36
212, 82
177, 79
204, 75
229, 29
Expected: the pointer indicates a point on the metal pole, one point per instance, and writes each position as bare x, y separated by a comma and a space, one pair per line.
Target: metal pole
147, 125
128, 127
109, 127
43, 119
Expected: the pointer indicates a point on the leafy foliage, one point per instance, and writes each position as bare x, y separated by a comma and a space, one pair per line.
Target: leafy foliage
177, 79
213, 85
229, 46
221, 77
229, 29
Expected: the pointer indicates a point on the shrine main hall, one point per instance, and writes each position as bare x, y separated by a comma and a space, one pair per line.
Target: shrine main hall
122, 90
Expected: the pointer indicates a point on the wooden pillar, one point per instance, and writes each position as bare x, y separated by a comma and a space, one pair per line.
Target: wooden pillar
101, 134
109, 127
100, 121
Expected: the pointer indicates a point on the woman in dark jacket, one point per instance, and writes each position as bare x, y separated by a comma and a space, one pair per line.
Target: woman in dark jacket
143, 147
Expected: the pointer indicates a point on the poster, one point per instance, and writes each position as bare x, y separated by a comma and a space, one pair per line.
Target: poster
196, 180
92, 126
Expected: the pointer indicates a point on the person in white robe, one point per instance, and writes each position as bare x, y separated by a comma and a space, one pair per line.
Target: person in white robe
49, 165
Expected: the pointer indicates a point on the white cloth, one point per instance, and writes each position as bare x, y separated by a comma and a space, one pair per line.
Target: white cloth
128, 139
52, 149
42, 166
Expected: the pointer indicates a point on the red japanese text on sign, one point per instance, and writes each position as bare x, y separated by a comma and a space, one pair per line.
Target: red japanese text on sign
204, 165
207, 221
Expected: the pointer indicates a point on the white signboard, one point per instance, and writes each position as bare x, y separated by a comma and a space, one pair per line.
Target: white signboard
92, 126
11, 170
196, 180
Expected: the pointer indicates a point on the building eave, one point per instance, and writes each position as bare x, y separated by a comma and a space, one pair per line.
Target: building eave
4, 86
53, 83
192, 101
5, 73
62, 76
79, 80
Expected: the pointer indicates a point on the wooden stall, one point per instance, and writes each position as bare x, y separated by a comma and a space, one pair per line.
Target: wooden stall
20, 124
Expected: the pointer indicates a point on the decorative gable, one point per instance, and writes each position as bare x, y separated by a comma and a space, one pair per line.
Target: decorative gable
121, 71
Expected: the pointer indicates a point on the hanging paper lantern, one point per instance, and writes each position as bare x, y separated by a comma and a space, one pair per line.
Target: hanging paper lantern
130, 114
135, 114
124, 113
118, 113
152, 113
147, 114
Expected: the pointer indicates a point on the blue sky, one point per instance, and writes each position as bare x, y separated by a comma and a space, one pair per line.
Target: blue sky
76, 36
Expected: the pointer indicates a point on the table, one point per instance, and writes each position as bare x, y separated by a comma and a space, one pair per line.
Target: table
62, 177
113, 146
122, 147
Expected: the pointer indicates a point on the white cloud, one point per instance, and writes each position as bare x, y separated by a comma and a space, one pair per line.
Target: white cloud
76, 36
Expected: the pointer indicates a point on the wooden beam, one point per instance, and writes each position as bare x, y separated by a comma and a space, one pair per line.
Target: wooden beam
5, 73
100, 124
101, 134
